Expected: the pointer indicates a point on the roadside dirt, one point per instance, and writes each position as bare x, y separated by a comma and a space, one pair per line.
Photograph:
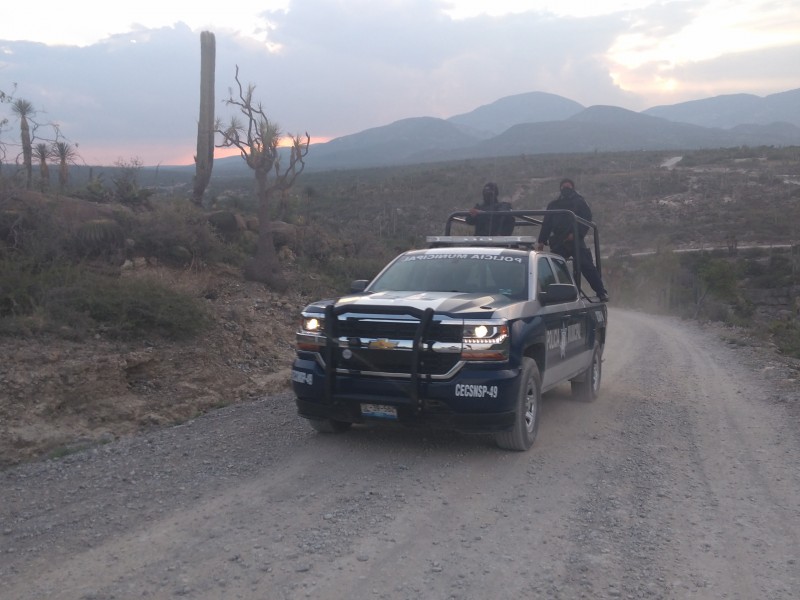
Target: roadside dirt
58, 396
681, 481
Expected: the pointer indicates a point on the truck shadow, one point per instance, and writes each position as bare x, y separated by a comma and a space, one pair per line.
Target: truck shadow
379, 437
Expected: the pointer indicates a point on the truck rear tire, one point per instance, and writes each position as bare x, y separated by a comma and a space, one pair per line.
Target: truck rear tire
588, 386
526, 424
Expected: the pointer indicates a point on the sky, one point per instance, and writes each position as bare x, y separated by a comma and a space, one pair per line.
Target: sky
121, 81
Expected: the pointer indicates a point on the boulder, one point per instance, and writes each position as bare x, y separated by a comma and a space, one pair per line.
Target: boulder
227, 223
283, 234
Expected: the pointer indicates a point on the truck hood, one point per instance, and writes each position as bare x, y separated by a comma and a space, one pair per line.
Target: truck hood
452, 303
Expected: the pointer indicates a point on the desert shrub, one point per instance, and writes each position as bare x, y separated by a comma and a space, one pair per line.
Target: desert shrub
137, 307
714, 309
773, 272
126, 186
179, 234
71, 300
38, 233
239, 200
33, 232
687, 285
786, 335
338, 273
716, 276
94, 191
18, 287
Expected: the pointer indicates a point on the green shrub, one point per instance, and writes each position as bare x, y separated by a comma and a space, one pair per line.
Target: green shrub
19, 287
337, 274
179, 234
771, 273
72, 301
94, 191
135, 307
786, 334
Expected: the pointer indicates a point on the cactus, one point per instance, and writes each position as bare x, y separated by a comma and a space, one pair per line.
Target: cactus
99, 235
204, 160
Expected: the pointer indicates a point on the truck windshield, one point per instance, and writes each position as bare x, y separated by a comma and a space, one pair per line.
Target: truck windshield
503, 273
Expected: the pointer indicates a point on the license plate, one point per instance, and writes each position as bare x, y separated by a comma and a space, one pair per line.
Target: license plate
379, 411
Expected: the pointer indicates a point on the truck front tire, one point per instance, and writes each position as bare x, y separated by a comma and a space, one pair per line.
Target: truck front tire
526, 424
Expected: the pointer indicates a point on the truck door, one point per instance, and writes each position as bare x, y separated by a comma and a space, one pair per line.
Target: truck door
578, 345
556, 323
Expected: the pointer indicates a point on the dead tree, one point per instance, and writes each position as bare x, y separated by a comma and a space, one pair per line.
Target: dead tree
257, 139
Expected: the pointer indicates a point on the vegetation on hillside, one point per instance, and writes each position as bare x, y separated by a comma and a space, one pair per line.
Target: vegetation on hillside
345, 225
62, 271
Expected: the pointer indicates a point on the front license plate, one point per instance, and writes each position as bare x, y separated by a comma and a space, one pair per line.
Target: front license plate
379, 411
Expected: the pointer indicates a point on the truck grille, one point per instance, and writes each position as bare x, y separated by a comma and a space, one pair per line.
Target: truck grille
397, 330
396, 360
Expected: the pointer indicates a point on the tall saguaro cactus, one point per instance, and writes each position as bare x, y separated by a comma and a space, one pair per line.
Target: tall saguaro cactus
204, 159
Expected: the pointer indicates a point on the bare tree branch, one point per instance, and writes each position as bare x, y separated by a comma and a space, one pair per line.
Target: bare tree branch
258, 141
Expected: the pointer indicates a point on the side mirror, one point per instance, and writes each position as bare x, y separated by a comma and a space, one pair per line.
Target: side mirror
358, 286
556, 293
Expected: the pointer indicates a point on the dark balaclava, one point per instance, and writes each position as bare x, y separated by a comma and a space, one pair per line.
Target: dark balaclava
490, 193
566, 187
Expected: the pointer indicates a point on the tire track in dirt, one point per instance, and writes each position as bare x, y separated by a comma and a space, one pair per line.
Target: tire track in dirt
680, 481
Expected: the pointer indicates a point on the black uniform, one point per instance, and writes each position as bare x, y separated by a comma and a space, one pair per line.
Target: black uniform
490, 219
556, 228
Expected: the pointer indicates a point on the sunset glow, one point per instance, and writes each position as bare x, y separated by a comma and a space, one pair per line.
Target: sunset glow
335, 67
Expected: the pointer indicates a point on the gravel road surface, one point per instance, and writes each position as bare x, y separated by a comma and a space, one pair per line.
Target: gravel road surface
681, 481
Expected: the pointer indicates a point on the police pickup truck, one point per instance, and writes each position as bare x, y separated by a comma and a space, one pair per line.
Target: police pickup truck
466, 335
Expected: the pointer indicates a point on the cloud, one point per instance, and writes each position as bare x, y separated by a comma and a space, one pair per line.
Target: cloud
335, 67
380, 62
773, 68
760, 72
128, 89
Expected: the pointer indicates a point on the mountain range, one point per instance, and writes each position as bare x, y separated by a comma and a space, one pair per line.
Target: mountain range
542, 123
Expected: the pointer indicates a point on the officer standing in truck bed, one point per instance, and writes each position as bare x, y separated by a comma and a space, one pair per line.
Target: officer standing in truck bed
557, 232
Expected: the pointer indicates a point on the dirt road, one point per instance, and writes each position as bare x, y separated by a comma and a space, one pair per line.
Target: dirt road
681, 481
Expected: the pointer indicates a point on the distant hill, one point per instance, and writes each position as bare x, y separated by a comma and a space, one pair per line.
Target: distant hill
599, 129
540, 123
534, 107
397, 143
735, 109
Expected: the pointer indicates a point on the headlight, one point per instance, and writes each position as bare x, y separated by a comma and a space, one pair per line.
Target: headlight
482, 333
312, 324
311, 335
487, 340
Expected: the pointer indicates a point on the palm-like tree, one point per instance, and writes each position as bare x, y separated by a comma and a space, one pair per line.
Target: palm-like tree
24, 109
43, 152
66, 155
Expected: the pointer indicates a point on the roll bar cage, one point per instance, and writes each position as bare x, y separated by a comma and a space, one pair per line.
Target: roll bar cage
524, 219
